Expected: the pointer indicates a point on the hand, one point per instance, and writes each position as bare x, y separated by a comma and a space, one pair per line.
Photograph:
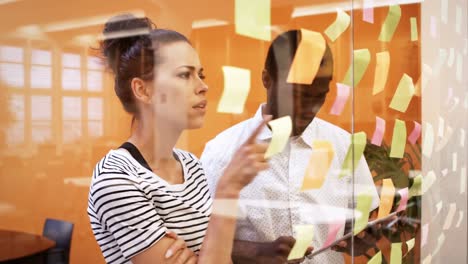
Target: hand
246, 163
278, 251
178, 251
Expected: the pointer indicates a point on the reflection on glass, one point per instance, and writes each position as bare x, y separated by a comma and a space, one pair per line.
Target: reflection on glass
12, 74
71, 113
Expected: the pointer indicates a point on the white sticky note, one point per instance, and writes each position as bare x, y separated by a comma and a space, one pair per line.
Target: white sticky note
236, 90
428, 181
441, 127
304, 235
428, 140
427, 259
454, 161
440, 242
460, 219
281, 129
441, 59
462, 137
451, 58
439, 206
458, 19
459, 70
424, 234
450, 215
463, 180
444, 11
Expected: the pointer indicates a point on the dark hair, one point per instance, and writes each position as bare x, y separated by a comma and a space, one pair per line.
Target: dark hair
131, 49
286, 43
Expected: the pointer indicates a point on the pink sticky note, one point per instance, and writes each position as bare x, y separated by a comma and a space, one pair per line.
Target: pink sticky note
379, 131
368, 11
424, 233
433, 27
341, 99
413, 137
333, 229
403, 200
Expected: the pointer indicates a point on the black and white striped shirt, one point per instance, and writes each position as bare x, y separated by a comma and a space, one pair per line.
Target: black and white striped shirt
131, 208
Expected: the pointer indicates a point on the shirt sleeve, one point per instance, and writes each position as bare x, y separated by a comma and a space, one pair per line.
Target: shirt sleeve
128, 214
213, 165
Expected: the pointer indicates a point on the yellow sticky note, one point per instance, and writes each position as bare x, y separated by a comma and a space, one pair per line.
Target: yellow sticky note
414, 29
403, 94
358, 143
361, 61
376, 259
415, 189
396, 255
319, 164
398, 139
253, 18
390, 24
381, 71
307, 59
236, 90
410, 243
338, 26
386, 198
304, 237
364, 202
281, 129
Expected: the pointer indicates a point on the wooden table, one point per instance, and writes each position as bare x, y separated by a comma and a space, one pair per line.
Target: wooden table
19, 247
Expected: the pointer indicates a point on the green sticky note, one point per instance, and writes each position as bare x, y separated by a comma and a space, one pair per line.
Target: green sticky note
304, 236
338, 26
253, 19
414, 29
398, 140
415, 189
358, 143
403, 94
361, 61
396, 255
410, 243
376, 259
364, 202
281, 129
390, 24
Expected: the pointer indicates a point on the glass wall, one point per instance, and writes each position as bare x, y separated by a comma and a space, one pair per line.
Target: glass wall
376, 92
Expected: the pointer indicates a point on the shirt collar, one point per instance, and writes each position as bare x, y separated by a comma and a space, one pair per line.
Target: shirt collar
266, 133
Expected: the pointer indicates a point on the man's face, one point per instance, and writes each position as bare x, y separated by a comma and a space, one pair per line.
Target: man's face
301, 101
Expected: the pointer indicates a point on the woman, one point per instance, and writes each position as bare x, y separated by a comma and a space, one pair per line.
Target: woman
146, 197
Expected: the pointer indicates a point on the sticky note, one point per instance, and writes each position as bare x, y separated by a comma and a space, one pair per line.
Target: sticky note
462, 137
253, 18
460, 219
236, 90
357, 147
428, 140
376, 259
339, 26
342, 96
414, 29
379, 131
281, 129
416, 187
424, 234
454, 161
413, 137
386, 198
304, 237
410, 243
228, 208
433, 27
309, 54
443, 55
398, 139
441, 127
440, 242
459, 70
458, 19
445, 139
361, 61
444, 11
319, 164
390, 24
368, 11
403, 199
333, 229
451, 58
428, 181
427, 259
396, 255
463, 180
450, 215
364, 201
423, 80
403, 94
444, 172
381, 71
439, 206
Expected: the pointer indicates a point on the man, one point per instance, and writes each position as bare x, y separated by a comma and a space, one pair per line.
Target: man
274, 202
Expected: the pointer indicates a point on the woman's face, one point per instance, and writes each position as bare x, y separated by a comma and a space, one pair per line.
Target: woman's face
179, 96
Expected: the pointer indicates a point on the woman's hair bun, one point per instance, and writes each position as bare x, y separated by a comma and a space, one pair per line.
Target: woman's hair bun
121, 32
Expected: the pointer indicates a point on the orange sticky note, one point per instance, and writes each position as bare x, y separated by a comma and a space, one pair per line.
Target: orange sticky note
319, 164
307, 59
386, 198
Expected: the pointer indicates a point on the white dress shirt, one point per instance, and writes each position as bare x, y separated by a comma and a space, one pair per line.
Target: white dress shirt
273, 202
